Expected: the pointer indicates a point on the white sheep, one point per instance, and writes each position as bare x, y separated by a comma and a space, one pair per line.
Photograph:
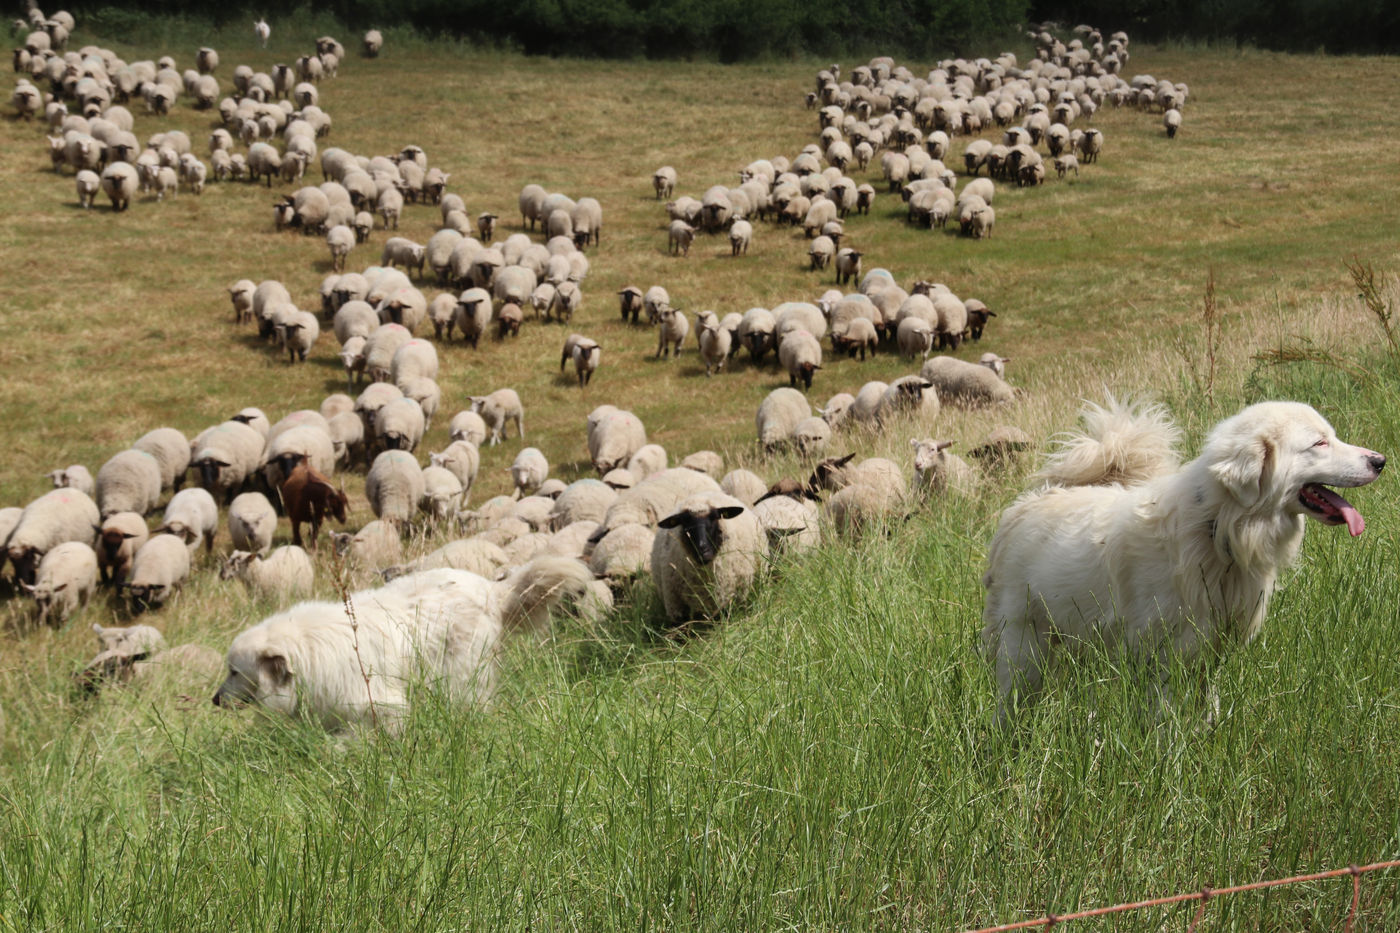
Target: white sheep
252, 521
394, 485
966, 385
159, 568
171, 449
663, 181
778, 416
648, 460
340, 239
622, 553
498, 408
745, 485
64, 582
468, 426
586, 356
284, 574
373, 41
128, 482
937, 470
463, 460
302, 329
584, 500
740, 236
716, 342
614, 436
847, 265
375, 546
88, 184
791, 525
674, 326
442, 492
529, 470
679, 236
811, 436
706, 554
399, 425
192, 516
74, 476
800, 353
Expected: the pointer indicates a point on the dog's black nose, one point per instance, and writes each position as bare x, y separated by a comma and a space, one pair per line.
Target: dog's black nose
1377, 462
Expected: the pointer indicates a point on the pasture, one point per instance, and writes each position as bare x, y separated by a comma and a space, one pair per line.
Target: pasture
824, 757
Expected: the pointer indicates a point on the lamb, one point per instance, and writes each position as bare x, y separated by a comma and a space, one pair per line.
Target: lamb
983, 218
128, 482
389, 205
160, 567
508, 321
340, 239
309, 496
88, 183
286, 572
375, 546
778, 416
847, 265
1066, 163
587, 355
936, 470
996, 364
653, 301
118, 540
496, 409
1171, 122
241, 294
706, 555
740, 236
467, 426
613, 437
860, 337
373, 41
486, 226
64, 582
715, 343
966, 385
252, 521
801, 355
672, 332
663, 181
75, 476
192, 515
630, 300
462, 460
442, 492
393, 486
582, 501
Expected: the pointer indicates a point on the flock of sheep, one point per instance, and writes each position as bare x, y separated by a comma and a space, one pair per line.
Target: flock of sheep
704, 533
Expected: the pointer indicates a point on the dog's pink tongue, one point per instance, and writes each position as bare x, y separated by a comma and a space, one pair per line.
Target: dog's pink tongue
1341, 507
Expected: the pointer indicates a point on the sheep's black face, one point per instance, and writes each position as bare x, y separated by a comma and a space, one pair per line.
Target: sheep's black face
209, 474
702, 531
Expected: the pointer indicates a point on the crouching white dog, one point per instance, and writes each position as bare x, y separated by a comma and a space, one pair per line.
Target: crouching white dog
440, 628
1123, 547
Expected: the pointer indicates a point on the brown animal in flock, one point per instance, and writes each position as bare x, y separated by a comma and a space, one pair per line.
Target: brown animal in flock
309, 497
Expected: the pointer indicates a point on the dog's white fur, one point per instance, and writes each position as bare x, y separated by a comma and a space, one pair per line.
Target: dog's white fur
438, 628
1122, 547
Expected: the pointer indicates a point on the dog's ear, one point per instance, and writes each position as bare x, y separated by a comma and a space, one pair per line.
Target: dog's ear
1247, 472
276, 667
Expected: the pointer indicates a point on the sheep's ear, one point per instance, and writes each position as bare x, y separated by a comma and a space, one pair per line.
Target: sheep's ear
729, 511
990, 313
942, 445
1246, 472
276, 667
27, 587
844, 460
671, 521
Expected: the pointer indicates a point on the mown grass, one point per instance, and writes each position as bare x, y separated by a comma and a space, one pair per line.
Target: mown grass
823, 758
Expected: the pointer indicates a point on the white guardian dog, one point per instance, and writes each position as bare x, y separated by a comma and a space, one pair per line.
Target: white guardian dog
439, 629
1123, 547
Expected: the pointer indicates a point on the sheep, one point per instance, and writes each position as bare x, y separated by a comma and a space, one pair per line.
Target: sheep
120, 183
262, 30
679, 236
847, 265
613, 437
302, 330
406, 306
375, 546
672, 332
800, 353
340, 239
241, 294
119, 538
371, 44
473, 314
619, 479
778, 415
252, 521
937, 470
399, 425
811, 435
1171, 122
740, 235
442, 492
915, 338
380, 347
88, 184
468, 426
586, 355
497, 409
389, 205
568, 298
508, 321
416, 359
463, 460
648, 460
394, 485
651, 499
706, 555
76, 477
587, 218
529, 470
757, 330
910, 394
64, 582
192, 515
582, 501
983, 218
128, 482
966, 385
630, 300
1090, 145
285, 573
704, 461
1066, 163
715, 343
56, 517
995, 363
159, 568
663, 181
860, 337
622, 553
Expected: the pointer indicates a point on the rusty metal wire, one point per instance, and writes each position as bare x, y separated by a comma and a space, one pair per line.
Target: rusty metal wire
1204, 896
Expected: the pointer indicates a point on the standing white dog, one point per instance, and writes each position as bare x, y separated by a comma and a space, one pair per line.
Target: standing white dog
438, 628
1122, 547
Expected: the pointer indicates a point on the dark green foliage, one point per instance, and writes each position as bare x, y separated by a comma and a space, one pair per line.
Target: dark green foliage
1367, 26
728, 30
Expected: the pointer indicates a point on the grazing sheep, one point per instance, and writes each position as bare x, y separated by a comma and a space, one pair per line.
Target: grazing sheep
340, 239
622, 553
172, 452
159, 568
648, 460
811, 436
301, 329
800, 353
582, 501
468, 426
399, 425
936, 470
790, 524
508, 321
64, 582
704, 461
746, 486
706, 555
393, 486
252, 521
118, 540
651, 499
374, 547
966, 385
192, 516
442, 493
54, 518
672, 332
915, 338
286, 572
497, 409
778, 416
128, 482
613, 437
913, 394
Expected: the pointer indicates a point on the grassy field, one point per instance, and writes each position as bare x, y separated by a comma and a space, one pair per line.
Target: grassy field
824, 758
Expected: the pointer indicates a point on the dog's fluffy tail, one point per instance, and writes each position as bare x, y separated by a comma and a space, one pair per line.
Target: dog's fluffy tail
1124, 442
531, 592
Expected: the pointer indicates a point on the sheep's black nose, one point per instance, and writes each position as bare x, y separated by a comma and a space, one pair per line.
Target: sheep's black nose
1377, 462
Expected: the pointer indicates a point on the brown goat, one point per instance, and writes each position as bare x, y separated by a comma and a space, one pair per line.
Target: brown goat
309, 496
